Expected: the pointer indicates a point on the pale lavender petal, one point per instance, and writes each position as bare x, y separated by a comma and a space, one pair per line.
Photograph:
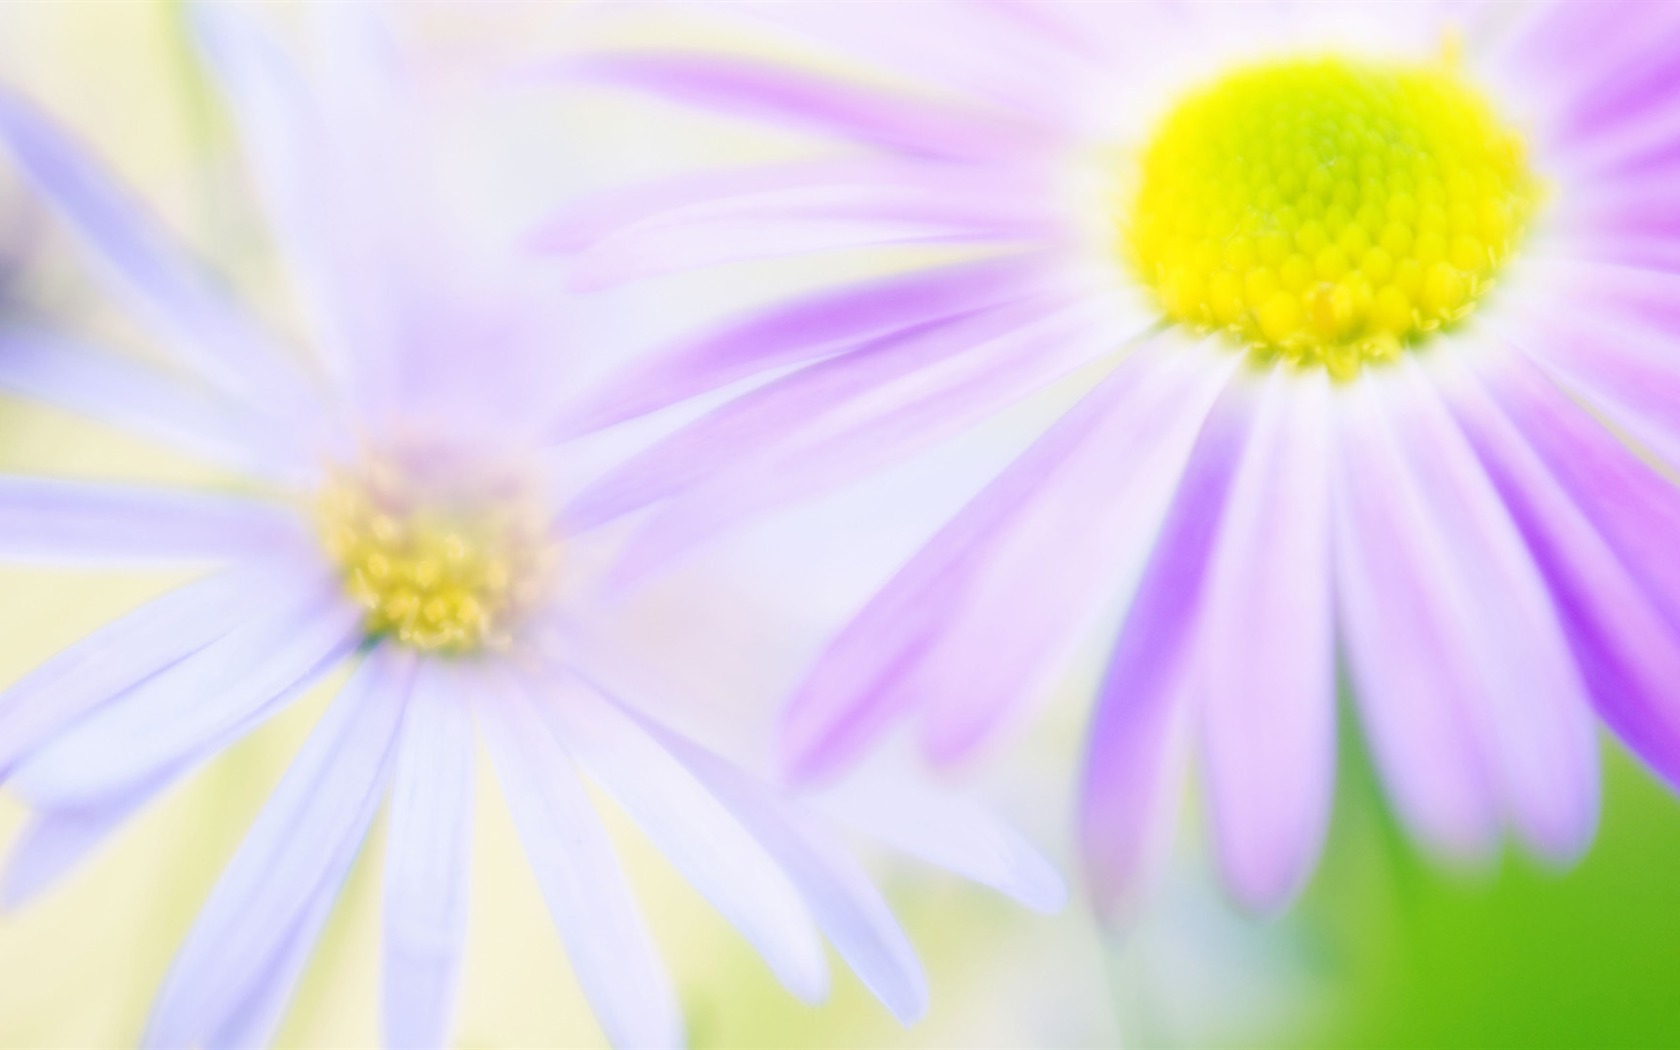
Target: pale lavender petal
122, 654
818, 325
903, 809
1136, 748
700, 836
1529, 707
1400, 608
54, 843
47, 366
1265, 682
325, 204
426, 861
45, 519
211, 696
868, 674
292, 856
845, 903
195, 318
785, 94
612, 954
1627, 649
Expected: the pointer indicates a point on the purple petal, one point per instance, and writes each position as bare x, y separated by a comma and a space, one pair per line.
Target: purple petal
297, 849
196, 705
871, 672
44, 519
785, 94
1617, 354
828, 322
700, 836
1265, 678
119, 656
195, 318
426, 861
1402, 613
1627, 649
612, 954
1136, 748
1527, 704
747, 433
1061, 562
1002, 358
905, 206
846, 905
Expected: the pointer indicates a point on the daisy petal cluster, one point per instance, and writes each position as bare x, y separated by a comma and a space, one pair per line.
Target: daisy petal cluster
1382, 298
391, 514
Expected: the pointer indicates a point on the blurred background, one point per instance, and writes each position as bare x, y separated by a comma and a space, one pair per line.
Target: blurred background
1386, 949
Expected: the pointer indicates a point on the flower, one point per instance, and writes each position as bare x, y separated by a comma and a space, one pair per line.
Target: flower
389, 510
1381, 304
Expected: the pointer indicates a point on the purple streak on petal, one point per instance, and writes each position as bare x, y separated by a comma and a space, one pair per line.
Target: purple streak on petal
54, 843
828, 322
1129, 794
612, 954
1613, 345
195, 318
198, 704
297, 849
1401, 611
44, 365
1087, 536
1265, 676
1635, 508
1627, 650
846, 905
784, 94
852, 692
700, 836
901, 808
427, 858
44, 519
119, 656
1528, 705
821, 426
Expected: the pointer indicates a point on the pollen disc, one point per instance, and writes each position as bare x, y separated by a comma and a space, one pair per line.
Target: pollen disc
1328, 212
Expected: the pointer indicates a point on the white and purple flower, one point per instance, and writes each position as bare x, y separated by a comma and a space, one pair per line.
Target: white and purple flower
1384, 300
391, 508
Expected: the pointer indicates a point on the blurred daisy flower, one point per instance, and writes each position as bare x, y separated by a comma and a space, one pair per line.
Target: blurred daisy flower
1382, 308
391, 510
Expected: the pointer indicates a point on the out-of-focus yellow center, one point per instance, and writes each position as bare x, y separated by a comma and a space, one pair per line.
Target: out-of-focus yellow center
438, 578
1328, 212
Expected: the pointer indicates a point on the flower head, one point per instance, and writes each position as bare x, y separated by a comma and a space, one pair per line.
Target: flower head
391, 507
1382, 298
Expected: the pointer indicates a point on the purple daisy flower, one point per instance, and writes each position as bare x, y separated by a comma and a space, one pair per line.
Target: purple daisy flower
391, 511
1383, 304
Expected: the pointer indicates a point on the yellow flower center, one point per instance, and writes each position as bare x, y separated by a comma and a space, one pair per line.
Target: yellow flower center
1328, 212
437, 574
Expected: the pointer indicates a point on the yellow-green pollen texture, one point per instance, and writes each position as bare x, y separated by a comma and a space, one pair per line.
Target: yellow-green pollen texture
437, 576
1328, 212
